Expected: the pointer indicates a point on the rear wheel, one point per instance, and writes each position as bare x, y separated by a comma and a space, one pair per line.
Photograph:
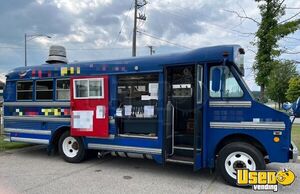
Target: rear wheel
71, 148
238, 155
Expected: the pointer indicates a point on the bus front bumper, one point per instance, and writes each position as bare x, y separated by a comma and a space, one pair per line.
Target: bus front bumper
294, 152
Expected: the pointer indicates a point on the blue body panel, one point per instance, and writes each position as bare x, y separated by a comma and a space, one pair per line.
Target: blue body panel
211, 137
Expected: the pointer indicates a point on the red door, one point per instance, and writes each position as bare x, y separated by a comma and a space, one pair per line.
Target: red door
89, 106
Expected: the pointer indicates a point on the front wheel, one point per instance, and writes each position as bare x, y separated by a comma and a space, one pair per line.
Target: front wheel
71, 148
239, 155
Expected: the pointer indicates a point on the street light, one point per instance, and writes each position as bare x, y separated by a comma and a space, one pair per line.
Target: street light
30, 37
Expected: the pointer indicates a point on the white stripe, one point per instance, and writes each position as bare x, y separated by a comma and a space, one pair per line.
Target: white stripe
138, 136
30, 140
38, 118
30, 131
124, 148
248, 125
49, 104
111, 136
179, 161
242, 104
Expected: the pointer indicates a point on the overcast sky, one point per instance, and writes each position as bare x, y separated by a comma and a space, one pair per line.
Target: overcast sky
101, 29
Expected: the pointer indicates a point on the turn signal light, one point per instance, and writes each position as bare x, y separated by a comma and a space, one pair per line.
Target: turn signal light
276, 139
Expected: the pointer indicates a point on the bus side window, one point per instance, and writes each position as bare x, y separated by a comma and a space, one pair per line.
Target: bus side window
24, 90
44, 90
231, 88
63, 89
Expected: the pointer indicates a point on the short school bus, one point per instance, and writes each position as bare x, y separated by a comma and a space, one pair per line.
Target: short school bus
192, 108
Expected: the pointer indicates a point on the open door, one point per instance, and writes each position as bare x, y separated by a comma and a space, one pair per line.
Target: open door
89, 106
179, 126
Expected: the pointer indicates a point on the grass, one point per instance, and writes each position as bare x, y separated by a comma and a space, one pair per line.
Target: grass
9, 146
296, 134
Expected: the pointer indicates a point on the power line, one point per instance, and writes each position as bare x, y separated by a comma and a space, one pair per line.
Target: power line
293, 38
79, 49
163, 40
292, 52
8, 47
296, 61
231, 29
292, 8
126, 19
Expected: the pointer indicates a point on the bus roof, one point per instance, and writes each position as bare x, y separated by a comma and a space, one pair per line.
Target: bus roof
145, 64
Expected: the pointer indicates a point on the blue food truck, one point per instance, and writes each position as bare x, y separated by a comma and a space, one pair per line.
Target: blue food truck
192, 108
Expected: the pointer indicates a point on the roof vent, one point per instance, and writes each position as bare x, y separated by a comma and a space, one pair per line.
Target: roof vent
57, 54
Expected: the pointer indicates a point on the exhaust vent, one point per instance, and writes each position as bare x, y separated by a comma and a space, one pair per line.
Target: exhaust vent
57, 54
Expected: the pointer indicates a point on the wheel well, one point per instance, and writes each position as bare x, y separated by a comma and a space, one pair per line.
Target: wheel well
241, 138
56, 136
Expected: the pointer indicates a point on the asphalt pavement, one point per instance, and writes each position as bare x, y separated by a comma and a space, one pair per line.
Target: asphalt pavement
31, 170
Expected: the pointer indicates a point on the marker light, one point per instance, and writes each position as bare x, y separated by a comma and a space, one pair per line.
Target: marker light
277, 133
276, 139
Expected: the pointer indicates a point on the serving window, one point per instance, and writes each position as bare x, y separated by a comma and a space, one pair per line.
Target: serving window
24, 90
137, 104
89, 88
44, 90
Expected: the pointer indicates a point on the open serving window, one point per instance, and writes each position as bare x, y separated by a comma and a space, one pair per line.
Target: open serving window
137, 105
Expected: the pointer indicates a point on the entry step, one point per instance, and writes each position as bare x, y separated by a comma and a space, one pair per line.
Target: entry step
186, 147
183, 147
181, 160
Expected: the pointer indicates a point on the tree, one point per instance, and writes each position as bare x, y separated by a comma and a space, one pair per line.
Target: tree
279, 78
270, 31
293, 91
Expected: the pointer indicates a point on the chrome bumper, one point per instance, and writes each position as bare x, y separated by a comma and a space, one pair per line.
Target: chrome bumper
294, 152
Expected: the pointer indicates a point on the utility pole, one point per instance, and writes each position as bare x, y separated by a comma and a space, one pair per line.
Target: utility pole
25, 38
152, 51
137, 6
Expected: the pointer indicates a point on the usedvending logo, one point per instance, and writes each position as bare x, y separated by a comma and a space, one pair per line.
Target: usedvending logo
265, 180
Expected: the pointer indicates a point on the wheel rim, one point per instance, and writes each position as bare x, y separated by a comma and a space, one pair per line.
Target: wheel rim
70, 147
238, 160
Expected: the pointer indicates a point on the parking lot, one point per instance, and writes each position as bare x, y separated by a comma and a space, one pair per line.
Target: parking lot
31, 170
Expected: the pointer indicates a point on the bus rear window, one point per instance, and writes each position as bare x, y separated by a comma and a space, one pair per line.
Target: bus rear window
44, 90
24, 90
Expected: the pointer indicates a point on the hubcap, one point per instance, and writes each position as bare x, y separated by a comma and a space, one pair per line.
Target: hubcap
70, 147
238, 160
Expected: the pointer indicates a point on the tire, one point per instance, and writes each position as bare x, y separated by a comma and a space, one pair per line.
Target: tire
71, 149
238, 155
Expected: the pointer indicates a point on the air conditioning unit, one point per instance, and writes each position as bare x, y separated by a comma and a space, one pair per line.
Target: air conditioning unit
57, 54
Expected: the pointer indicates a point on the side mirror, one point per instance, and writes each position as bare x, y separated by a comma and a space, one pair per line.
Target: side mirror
216, 79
